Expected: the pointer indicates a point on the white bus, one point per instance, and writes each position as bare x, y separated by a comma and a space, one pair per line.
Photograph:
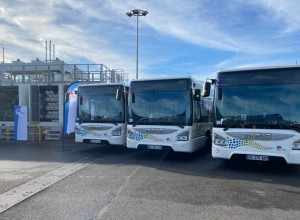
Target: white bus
101, 114
168, 114
256, 114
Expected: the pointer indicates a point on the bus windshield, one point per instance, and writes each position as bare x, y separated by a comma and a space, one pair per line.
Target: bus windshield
258, 106
160, 107
99, 105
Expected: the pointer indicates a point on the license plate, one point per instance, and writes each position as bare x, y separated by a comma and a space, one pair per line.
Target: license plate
154, 147
257, 157
95, 141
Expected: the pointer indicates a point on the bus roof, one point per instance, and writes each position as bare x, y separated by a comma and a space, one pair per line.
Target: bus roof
102, 84
259, 75
259, 68
166, 78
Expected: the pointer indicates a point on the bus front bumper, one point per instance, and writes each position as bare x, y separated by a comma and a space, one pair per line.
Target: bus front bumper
189, 146
110, 140
292, 157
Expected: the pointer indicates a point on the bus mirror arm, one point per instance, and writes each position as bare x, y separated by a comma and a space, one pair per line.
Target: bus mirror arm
80, 121
118, 94
220, 93
133, 97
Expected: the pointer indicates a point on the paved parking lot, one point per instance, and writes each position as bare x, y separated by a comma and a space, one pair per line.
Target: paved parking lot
101, 182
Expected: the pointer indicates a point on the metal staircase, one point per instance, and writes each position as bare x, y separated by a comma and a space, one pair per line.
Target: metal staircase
53, 135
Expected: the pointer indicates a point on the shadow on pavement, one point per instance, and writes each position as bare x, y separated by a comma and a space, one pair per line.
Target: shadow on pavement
197, 164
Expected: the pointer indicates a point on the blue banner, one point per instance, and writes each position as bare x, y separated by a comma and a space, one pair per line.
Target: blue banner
71, 108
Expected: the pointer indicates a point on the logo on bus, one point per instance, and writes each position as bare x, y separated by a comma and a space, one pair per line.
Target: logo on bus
154, 130
258, 136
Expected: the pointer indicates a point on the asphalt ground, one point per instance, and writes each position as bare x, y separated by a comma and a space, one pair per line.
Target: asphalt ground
107, 182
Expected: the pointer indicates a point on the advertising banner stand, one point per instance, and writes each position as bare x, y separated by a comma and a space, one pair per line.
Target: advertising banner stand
69, 113
20, 123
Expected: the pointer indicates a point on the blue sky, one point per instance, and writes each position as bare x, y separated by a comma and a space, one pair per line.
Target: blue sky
176, 38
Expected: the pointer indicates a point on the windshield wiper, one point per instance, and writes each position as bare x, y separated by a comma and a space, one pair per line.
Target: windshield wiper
140, 120
229, 126
180, 125
296, 126
230, 123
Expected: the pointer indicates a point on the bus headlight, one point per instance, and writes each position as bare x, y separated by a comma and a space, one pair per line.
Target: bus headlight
130, 134
117, 132
296, 145
219, 140
184, 136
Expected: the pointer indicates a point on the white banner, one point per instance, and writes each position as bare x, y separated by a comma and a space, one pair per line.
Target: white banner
20, 123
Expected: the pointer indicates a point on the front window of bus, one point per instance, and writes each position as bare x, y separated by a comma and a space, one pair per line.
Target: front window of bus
160, 107
99, 105
258, 106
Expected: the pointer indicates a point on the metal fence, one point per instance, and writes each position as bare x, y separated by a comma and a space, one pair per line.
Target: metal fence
56, 71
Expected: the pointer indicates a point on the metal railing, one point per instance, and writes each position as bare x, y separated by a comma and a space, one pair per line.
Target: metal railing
36, 130
58, 72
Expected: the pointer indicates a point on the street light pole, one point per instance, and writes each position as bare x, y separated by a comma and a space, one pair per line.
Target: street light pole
137, 13
137, 47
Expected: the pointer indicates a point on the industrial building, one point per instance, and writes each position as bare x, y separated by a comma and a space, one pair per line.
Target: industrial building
41, 85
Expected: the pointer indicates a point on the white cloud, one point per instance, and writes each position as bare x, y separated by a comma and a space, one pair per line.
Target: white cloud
199, 23
100, 32
27, 29
284, 11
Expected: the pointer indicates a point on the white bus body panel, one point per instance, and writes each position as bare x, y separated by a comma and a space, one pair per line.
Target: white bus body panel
261, 143
165, 136
103, 132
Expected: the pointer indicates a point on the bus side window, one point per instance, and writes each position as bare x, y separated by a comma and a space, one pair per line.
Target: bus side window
204, 113
197, 112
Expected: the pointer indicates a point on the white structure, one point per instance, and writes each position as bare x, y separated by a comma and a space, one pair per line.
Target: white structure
41, 86
56, 71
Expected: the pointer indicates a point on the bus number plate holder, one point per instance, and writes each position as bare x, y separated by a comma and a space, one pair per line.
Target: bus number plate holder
154, 147
95, 141
257, 157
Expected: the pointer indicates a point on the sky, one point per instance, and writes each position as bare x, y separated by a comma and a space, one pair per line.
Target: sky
177, 38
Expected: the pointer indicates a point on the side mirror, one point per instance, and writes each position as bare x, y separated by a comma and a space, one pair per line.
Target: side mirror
220, 93
80, 100
206, 89
133, 97
197, 95
118, 94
